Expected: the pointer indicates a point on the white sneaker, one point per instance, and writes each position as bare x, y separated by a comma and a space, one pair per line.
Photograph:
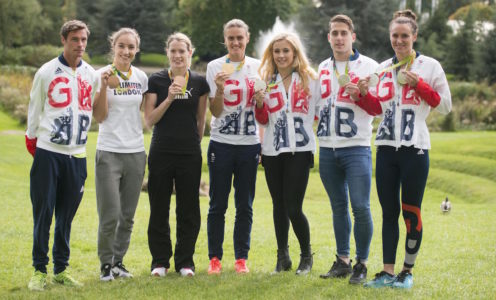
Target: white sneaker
118, 270
187, 272
159, 272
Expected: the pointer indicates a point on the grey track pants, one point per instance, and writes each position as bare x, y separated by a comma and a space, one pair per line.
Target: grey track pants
118, 179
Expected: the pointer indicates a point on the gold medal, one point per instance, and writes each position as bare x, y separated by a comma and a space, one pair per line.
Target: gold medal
180, 80
260, 85
401, 77
113, 82
343, 79
227, 68
373, 79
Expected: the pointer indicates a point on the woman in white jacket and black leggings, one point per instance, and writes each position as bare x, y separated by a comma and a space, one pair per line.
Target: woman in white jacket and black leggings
410, 84
287, 112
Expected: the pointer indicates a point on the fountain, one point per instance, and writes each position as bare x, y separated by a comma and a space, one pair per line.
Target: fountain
266, 36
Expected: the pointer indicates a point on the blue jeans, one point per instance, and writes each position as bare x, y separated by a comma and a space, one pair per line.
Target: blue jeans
343, 171
224, 161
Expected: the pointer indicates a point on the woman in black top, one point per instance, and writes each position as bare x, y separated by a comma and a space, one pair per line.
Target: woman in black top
176, 103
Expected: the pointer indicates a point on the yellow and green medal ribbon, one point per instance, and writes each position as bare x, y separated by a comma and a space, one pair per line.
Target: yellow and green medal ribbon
120, 74
241, 64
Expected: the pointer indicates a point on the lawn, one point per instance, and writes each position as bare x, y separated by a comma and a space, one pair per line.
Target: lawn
456, 260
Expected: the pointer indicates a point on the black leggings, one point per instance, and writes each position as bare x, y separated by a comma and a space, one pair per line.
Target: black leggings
287, 179
405, 168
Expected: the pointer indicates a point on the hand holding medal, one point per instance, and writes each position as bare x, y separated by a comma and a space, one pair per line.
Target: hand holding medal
181, 82
353, 90
373, 80
113, 81
105, 78
364, 85
408, 77
260, 86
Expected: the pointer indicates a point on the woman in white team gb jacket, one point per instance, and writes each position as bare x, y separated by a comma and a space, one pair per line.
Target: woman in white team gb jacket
287, 112
410, 85
120, 157
234, 148
345, 158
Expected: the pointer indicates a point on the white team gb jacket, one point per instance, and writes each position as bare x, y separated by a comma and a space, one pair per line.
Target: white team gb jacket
403, 111
342, 123
290, 116
236, 125
61, 104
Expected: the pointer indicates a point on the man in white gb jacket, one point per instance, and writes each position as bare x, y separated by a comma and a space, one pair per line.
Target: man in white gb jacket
345, 159
59, 117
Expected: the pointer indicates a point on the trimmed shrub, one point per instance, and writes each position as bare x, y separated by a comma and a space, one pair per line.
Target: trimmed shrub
32, 55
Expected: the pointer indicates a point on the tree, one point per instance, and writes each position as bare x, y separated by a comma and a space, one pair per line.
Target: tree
155, 23
151, 18
19, 22
433, 35
91, 12
203, 20
483, 12
370, 18
461, 56
487, 56
54, 14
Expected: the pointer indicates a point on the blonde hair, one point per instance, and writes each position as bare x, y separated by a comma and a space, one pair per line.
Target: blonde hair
180, 37
342, 19
236, 23
300, 64
405, 17
73, 25
116, 34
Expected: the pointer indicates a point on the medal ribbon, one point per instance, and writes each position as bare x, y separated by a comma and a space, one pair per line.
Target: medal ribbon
122, 75
273, 82
183, 90
346, 69
409, 59
228, 61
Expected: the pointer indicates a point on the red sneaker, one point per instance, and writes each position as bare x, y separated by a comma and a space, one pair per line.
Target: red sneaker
214, 267
240, 266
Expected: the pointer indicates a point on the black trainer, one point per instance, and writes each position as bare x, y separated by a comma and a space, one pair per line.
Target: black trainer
339, 269
106, 273
283, 261
305, 266
359, 275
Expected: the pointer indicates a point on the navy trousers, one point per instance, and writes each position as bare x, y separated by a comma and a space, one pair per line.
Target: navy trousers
224, 161
57, 184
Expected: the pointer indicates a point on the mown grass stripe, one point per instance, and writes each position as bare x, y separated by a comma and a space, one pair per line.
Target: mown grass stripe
480, 143
472, 165
471, 189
